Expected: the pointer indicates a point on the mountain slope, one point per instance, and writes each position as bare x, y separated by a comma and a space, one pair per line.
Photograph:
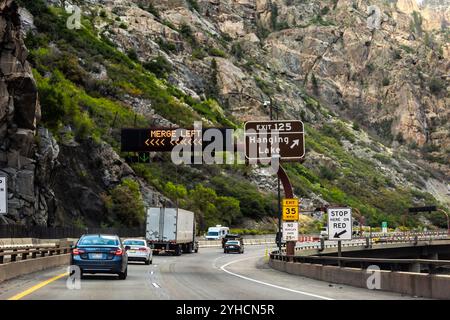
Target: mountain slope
141, 63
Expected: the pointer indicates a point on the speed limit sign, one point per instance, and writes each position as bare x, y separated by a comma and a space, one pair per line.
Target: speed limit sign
290, 209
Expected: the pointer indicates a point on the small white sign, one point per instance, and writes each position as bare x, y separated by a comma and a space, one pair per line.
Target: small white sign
339, 223
3, 195
290, 231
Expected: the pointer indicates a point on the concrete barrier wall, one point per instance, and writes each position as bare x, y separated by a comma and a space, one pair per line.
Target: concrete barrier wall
28, 242
413, 284
15, 269
218, 243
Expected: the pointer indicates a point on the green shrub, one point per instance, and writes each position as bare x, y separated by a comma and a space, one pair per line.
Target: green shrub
213, 84
436, 85
274, 16
416, 24
151, 9
327, 173
237, 51
407, 48
199, 53
318, 20
324, 10
193, 5
159, 66
187, 33
127, 204
370, 67
166, 46
216, 52
385, 81
132, 54
315, 84
382, 158
264, 86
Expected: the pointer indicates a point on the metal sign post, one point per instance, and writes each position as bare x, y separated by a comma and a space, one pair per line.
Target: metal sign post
339, 252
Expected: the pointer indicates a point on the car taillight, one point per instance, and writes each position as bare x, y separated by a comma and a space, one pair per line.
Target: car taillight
77, 251
142, 249
119, 252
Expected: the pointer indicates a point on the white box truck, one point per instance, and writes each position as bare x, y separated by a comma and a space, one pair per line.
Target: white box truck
171, 230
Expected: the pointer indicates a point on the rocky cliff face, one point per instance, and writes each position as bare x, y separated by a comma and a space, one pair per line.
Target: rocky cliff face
392, 79
19, 116
379, 77
48, 183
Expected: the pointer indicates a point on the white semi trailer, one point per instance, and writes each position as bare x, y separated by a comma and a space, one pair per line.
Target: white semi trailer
171, 230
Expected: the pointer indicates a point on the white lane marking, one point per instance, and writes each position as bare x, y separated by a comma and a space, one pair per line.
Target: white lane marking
155, 285
268, 284
215, 260
151, 272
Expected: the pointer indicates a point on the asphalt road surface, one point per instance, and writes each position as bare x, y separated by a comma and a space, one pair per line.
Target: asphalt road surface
209, 274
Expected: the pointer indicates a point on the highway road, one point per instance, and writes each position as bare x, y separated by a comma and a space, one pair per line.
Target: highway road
209, 274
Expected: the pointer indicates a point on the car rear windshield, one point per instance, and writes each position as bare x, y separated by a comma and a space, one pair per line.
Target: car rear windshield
232, 242
98, 240
134, 243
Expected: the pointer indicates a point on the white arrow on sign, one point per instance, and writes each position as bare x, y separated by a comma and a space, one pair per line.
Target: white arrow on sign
296, 142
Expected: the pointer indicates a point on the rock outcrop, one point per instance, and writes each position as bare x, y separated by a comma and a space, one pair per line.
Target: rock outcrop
19, 116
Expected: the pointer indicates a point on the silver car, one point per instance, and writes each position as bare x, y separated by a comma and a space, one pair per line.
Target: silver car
138, 250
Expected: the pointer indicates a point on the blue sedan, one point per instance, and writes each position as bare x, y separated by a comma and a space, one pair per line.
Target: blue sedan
97, 253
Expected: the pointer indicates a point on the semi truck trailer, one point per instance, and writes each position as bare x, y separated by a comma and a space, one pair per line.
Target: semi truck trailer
171, 230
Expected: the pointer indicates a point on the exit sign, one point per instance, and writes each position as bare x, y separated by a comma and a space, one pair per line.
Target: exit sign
290, 209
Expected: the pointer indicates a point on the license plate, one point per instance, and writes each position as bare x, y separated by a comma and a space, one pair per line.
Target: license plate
96, 256
132, 251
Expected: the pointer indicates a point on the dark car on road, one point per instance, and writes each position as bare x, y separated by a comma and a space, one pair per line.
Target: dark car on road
234, 246
230, 236
98, 253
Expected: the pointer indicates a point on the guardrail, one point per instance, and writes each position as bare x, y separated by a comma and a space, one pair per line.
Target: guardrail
368, 242
33, 252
